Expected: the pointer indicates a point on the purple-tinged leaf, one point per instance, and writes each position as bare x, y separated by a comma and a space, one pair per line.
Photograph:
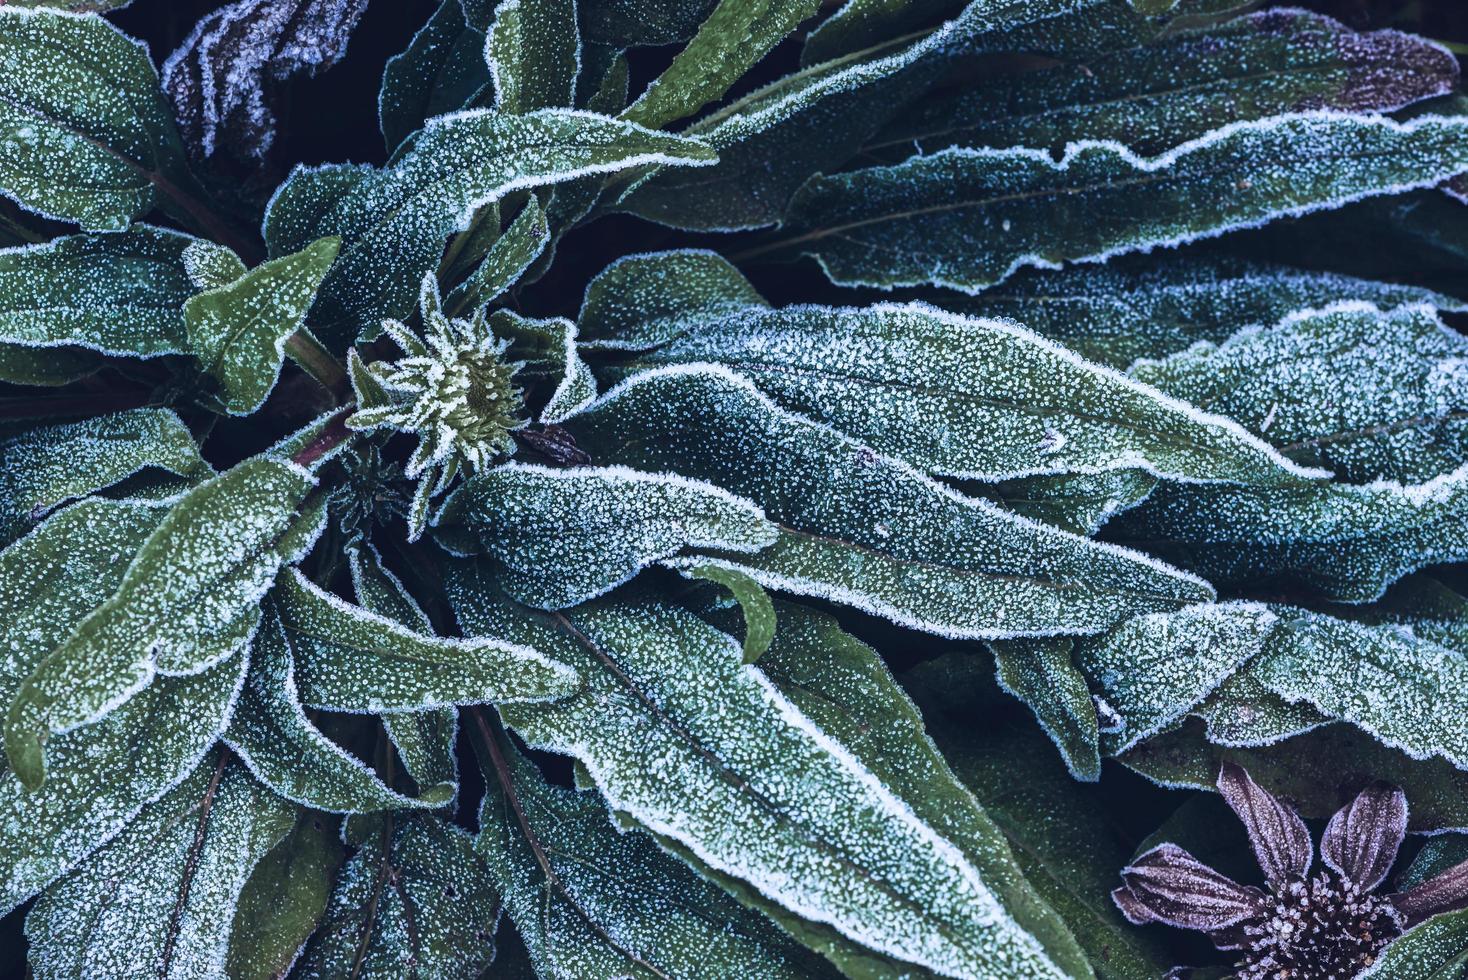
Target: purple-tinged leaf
1362, 839
1278, 835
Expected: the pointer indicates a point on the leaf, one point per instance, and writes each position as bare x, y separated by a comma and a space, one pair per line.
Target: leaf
750, 785
534, 54
393, 222
282, 901
1040, 673
551, 347
440, 71
968, 218
211, 266
642, 301
160, 897
1058, 829
45, 467
622, 521
119, 293
760, 624
349, 659
547, 849
220, 79
414, 900
49, 366
238, 331
524, 241
1404, 369
1348, 542
273, 736
969, 399
1079, 504
1178, 87
861, 24
188, 600
89, 137
866, 531
1156, 306
736, 35
1435, 950
639, 23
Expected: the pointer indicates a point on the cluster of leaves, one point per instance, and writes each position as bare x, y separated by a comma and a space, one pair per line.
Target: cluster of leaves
325, 546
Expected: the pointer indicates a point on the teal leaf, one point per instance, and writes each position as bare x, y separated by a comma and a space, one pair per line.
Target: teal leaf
534, 54
440, 71
624, 520
238, 331
160, 897
968, 218
861, 24
970, 399
760, 622
641, 301
1435, 950
349, 659
120, 293
304, 201
47, 466
88, 135
414, 898
524, 241
188, 600
866, 531
393, 222
1079, 504
642, 23
549, 347
681, 735
1040, 673
277, 741
212, 266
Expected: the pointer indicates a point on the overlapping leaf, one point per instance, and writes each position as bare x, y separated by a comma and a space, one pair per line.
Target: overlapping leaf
641, 301
440, 71
534, 53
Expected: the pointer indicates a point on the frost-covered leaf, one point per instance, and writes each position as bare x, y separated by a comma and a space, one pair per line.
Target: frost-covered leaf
119, 293
1435, 950
88, 135
564, 536
861, 24
513, 252
349, 659
639, 23
1079, 504
277, 741
413, 901
441, 70
534, 54
48, 367
676, 731
211, 266
969, 399
45, 467
189, 599
1367, 394
1349, 542
548, 850
1176, 88
736, 35
756, 609
393, 222
160, 897
1157, 305
220, 78
550, 348
641, 301
283, 900
967, 218
1040, 672
238, 331
866, 531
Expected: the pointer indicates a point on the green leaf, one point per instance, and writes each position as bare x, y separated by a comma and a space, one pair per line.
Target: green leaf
49, 367
188, 600
534, 54
1079, 504
968, 218
754, 603
413, 901
640, 23
969, 399
1155, 96
641, 301
393, 222
441, 70
681, 735
550, 347
548, 850
1040, 673
866, 531
1155, 306
349, 659
160, 897
119, 293
734, 38
238, 331
212, 266
1405, 417
277, 741
506, 261
624, 520
89, 137
283, 900
861, 24
45, 467
1349, 542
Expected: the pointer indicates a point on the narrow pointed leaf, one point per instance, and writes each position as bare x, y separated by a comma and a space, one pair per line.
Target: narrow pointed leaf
505, 262
860, 24
534, 54
1040, 672
756, 609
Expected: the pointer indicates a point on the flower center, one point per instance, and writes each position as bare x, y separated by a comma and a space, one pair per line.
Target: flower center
1323, 929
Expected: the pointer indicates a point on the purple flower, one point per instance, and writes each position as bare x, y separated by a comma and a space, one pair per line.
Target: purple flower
1332, 924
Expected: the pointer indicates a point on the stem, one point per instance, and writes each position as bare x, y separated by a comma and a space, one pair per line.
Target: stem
332, 435
318, 362
206, 221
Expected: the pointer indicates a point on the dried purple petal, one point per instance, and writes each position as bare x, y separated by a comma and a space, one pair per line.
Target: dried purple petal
1362, 839
1169, 885
1278, 835
1441, 893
